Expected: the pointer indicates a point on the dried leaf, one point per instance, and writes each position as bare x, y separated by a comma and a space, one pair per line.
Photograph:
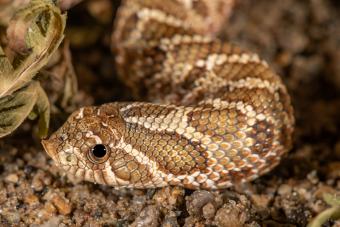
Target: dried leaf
15, 108
61, 81
43, 110
8, 8
332, 199
37, 30
41, 38
5, 65
330, 213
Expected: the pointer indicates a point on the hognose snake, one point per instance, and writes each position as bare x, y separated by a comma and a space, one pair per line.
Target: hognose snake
219, 115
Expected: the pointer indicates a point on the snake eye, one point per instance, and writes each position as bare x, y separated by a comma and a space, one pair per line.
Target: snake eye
98, 153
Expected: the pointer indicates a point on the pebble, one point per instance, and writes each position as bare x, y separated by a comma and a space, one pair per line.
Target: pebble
284, 189
148, 217
169, 196
12, 178
261, 200
170, 220
208, 211
11, 217
47, 212
197, 200
40, 180
231, 215
31, 199
313, 177
3, 195
54, 221
62, 204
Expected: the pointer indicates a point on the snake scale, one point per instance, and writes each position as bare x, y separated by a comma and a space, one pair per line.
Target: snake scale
212, 115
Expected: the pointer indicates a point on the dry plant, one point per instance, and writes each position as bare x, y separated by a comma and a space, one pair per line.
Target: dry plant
34, 34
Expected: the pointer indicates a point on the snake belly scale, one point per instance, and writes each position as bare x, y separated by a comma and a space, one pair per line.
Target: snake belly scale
211, 115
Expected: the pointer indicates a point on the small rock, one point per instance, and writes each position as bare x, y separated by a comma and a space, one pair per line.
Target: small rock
12, 217
261, 201
313, 177
148, 217
304, 193
285, 189
170, 220
169, 196
197, 200
28, 169
3, 195
231, 215
12, 178
47, 180
40, 180
31, 199
37, 184
208, 211
193, 221
47, 212
62, 204
54, 221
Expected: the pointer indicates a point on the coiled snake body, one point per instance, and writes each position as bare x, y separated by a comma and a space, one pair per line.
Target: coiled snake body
219, 115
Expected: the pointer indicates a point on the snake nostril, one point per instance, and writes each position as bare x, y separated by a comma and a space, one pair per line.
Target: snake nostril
69, 158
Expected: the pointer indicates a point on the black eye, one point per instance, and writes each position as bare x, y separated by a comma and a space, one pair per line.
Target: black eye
99, 151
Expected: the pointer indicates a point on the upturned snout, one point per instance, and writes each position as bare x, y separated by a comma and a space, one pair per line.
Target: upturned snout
50, 146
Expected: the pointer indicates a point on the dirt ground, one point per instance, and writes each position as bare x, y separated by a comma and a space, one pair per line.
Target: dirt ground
299, 38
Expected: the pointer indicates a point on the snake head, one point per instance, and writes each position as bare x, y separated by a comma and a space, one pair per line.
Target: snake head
85, 143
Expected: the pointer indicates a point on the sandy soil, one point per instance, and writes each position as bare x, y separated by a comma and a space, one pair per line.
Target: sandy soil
299, 38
